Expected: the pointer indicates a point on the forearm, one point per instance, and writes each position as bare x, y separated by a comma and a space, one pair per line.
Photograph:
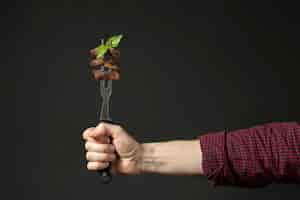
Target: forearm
173, 157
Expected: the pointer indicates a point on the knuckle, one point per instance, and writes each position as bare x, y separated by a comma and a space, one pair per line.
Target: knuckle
89, 156
91, 166
88, 166
87, 132
101, 125
101, 128
87, 145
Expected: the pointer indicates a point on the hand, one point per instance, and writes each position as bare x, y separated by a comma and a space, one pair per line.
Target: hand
108, 143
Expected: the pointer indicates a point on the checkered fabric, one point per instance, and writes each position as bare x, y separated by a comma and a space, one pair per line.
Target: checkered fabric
253, 157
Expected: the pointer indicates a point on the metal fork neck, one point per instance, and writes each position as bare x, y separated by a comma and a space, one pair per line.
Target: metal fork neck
105, 108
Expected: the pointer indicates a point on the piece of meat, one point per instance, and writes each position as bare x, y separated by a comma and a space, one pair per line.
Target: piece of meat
111, 61
99, 75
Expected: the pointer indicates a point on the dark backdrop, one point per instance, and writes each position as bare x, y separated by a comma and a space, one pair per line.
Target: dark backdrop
187, 68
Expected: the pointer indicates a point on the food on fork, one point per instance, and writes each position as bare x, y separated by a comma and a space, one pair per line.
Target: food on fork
105, 61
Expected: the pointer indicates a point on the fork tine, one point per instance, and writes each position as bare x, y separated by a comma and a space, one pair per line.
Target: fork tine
105, 89
102, 89
109, 87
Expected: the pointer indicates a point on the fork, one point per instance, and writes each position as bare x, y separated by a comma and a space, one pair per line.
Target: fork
105, 92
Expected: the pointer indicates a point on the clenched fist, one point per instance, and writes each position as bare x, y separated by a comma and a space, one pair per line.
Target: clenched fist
109, 143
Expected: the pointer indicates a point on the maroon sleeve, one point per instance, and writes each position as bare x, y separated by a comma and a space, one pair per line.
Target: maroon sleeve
253, 157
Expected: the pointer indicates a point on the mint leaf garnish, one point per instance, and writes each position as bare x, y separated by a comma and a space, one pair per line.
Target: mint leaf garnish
112, 42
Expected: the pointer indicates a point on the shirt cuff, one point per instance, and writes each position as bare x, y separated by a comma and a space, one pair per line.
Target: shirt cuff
215, 163
213, 156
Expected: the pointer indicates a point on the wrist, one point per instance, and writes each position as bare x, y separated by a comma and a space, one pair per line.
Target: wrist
174, 157
149, 161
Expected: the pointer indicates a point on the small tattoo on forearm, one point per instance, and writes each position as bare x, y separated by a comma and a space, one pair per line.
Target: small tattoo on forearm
150, 164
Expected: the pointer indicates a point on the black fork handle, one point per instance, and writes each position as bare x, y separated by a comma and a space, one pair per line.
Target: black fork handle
106, 176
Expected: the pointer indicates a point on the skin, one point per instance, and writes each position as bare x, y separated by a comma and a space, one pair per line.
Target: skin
111, 143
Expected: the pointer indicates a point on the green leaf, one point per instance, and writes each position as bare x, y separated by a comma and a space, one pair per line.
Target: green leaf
101, 50
114, 41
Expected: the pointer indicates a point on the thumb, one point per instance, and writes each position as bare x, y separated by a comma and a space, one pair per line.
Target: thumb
105, 129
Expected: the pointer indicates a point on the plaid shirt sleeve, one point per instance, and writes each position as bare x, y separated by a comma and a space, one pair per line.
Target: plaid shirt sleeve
253, 157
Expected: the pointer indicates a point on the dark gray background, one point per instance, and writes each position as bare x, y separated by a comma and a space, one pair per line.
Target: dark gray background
188, 68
